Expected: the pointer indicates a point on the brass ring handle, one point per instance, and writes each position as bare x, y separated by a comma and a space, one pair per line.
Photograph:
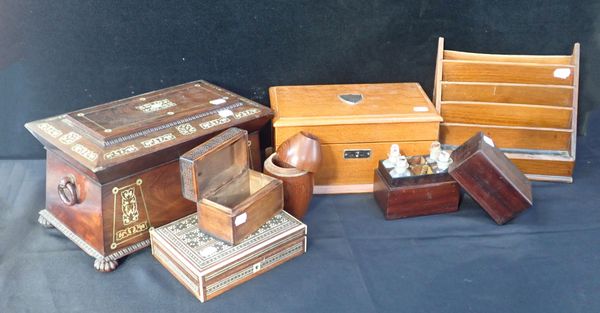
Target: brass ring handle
67, 191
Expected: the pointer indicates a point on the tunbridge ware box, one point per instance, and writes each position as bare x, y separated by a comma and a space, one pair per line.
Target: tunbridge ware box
207, 267
356, 125
112, 170
232, 200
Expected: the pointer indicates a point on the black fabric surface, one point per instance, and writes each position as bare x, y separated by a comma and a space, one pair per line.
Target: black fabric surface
545, 260
59, 56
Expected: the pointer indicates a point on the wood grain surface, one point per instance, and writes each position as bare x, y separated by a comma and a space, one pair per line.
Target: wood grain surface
336, 170
428, 196
542, 59
505, 72
297, 186
509, 137
320, 104
491, 179
489, 113
224, 220
552, 95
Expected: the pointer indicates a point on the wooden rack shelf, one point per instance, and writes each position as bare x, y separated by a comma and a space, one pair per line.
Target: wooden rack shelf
526, 103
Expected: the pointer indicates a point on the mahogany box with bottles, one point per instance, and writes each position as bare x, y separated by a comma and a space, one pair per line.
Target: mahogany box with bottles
424, 185
414, 186
112, 170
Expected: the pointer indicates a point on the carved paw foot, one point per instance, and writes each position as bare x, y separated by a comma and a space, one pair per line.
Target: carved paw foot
44, 222
103, 265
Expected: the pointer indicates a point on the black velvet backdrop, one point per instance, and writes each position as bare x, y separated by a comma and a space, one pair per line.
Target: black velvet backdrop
57, 56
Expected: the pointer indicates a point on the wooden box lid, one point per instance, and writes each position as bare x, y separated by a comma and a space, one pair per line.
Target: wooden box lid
490, 178
351, 104
143, 131
214, 163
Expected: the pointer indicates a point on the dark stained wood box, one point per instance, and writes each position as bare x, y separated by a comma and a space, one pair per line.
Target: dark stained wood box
491, 178
232, 200
112, 169
424, 194
208, 267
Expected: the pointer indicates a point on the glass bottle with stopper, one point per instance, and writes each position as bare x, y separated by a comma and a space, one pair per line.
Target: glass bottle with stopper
393, 156
434, 152
401, 168
443, 162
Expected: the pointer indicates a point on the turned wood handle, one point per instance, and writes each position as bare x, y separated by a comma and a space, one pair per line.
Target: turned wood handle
67, 191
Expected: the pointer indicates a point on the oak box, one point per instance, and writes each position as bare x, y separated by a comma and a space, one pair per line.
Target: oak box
356, 124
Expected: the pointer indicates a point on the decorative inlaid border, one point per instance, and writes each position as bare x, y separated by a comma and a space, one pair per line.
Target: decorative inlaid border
158, 105
175, 232
185, 279
188, 119
136, 230
254, 268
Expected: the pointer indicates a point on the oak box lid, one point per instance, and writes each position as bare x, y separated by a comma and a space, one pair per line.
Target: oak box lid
147, 130
351, 104
214, 163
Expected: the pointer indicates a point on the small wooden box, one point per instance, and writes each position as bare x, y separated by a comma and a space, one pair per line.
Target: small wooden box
208, 267
356, 125
491, 178
425, 193
527, 103
232, 200
112, 170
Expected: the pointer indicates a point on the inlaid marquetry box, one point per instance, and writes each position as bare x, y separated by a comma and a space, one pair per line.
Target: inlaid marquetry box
208, 267
113, 171
232, 200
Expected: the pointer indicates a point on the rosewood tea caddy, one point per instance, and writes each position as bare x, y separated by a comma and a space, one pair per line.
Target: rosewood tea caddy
232, 200
112, 170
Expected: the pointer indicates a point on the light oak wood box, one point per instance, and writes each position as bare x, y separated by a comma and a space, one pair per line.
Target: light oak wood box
232, 200
112, 170
356, 125
527, 103
208, 267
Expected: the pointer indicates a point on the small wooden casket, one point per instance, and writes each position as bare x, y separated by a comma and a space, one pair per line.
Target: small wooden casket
232, 200
425, 192
208, 267
491, 178
113, 172
356, 125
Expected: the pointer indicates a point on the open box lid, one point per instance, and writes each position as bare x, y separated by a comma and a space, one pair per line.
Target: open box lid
351, 104
156, 127
490, 178
214, 163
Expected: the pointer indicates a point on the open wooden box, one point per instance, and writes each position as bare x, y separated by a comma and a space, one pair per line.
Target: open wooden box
232, 200
527, 103
425, 192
